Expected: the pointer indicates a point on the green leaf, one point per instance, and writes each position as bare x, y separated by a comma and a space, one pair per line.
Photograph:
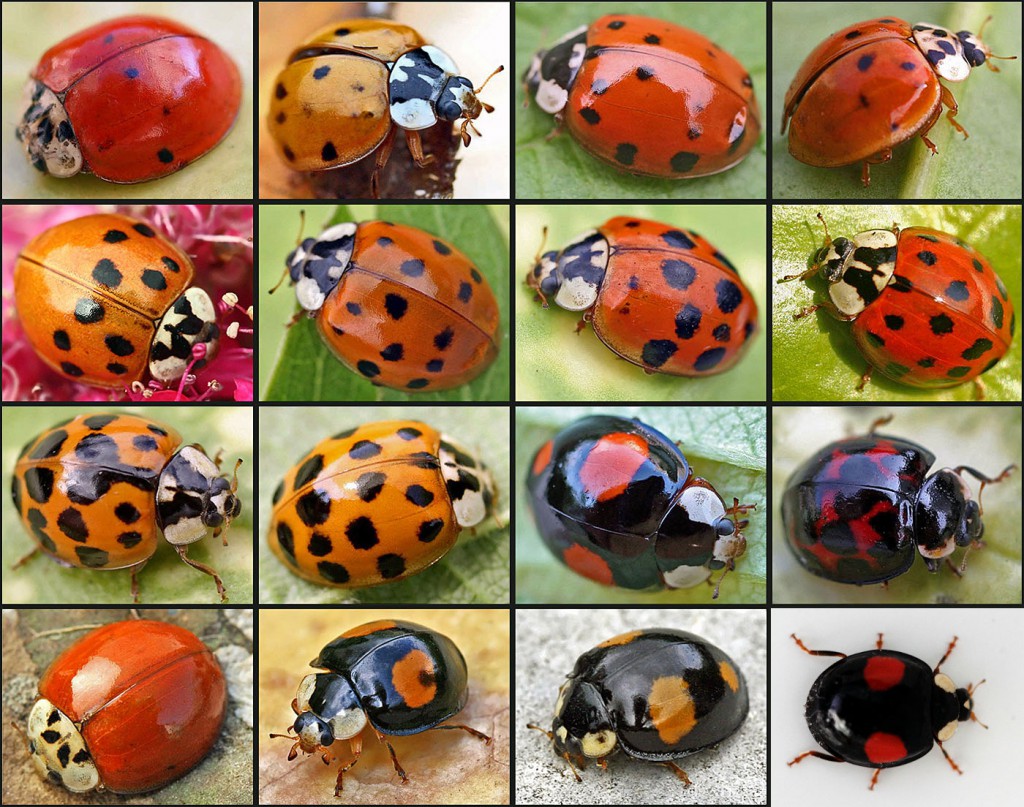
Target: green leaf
560, 169
987, 165
297, 363
555, 363
988, 439
165, 579
725, 445
816, 359
476, 570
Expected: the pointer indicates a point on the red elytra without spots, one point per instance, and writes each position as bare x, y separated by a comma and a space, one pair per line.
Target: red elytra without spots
129, 100
611, 464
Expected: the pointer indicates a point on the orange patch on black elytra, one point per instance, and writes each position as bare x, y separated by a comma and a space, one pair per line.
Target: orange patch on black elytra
589, 564
672, 709
612, 463
622, 638
413, 679
540, 462
368, 628
729, 675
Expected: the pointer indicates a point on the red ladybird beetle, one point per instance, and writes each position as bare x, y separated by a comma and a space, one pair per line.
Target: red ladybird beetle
95, 492
856, 511
927, 309
129, 708
129, 100
883, 708
397, 305
106, 300
874, 85
660, 297
346, 91
396, 677
648, 97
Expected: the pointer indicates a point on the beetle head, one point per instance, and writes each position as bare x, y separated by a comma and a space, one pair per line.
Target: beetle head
945, 516
45, 132
582, 726
317, 264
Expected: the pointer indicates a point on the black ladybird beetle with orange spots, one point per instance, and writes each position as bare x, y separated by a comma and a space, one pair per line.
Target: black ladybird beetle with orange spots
399, 677
882, 708
658, 694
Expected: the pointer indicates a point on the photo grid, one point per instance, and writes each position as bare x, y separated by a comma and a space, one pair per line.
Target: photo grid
524, 403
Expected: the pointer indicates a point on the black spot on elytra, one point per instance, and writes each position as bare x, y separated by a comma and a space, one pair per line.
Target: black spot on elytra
354, 309
443, 340
418, 495
853, 34
599, 86
477, 277
615, 25
364, 450
957, 290
319, 545
409, 433
908, 65
590, 115
313, 508
16, 493
132, 72
361, 533
308, 471
97, 422
709, 358
435, 366
412, 268
865, 62
72, 369
893, 322
677, 238
465, 291
391, 566
722, 333
49, 446
278, 493
154, 279
367, 368
333, 572
688, 321
369, 485
997, 313
280, 117
926, 362
170, 263
417, 383
727, 295
683, 161
678, 274
280, 92
643, 73
926, 257
288, 154
88, 311
71, 523
429, 530
321, 71
977, 265
941, 324
329, 153
658, 351
116, 368
958, 372
393, 352
625, 153
62, 340
693, 133
652, 39
978, 349
115, 236
37, 521
118, 345
156, 429
143, 442
874, 339
127, 513
165, 155
395, 305
129, 539
900, 283
92, 557
344, 435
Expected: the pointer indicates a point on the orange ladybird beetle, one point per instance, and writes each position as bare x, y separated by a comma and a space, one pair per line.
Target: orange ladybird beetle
874, 85
128, 708
377, 503
95, 491
105, 300
397, 305
129, 100
345, 92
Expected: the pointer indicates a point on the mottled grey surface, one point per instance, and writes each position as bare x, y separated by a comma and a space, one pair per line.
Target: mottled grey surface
548, 642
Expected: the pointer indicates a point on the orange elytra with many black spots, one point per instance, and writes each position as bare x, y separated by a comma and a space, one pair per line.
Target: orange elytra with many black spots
128, 708
657, 694
129, 100
96, 491
377, 503
398, 677
401, 307
874, 85
106, 300
648, 97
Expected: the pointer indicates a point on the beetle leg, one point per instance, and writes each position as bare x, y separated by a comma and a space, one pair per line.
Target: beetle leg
295, 706
356, 744
878, 644
383, 154
803, 647
874, 779
949, 759
818, 754
949, 101
879, 422
415, 144
135, 580
943, 659
19, 563
582, 324
394, 759
881, 157
478, 734
865, 378
195, 564
572, 767
679, 772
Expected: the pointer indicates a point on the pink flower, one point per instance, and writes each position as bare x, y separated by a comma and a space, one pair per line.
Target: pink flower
218, 239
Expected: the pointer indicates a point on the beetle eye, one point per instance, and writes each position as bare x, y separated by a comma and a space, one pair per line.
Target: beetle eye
725, 526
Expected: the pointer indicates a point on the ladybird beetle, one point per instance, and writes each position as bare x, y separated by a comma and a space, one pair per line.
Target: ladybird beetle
617, 502
128, 708
397, 305
658, 694
648, 97
660, 297
874, 85
927, 309
346, 91
95, 491
129, 100
377, 503
399, 677
105, 299
883, 708
857, 509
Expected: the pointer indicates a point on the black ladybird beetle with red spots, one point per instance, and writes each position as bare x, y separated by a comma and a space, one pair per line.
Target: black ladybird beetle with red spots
883, 708
617, 502
857, 509
658, 694
399, 677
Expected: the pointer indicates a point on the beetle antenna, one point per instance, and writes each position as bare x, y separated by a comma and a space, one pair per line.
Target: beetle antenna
728, 568
298, 241
1009, 469
501, 67
535, 727
970, 693
828, 238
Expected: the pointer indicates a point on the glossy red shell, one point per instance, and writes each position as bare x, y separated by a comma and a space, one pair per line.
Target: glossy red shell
695, 325
861, 92
658, 99
945, 317
150, 698
411, 311
145, 95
